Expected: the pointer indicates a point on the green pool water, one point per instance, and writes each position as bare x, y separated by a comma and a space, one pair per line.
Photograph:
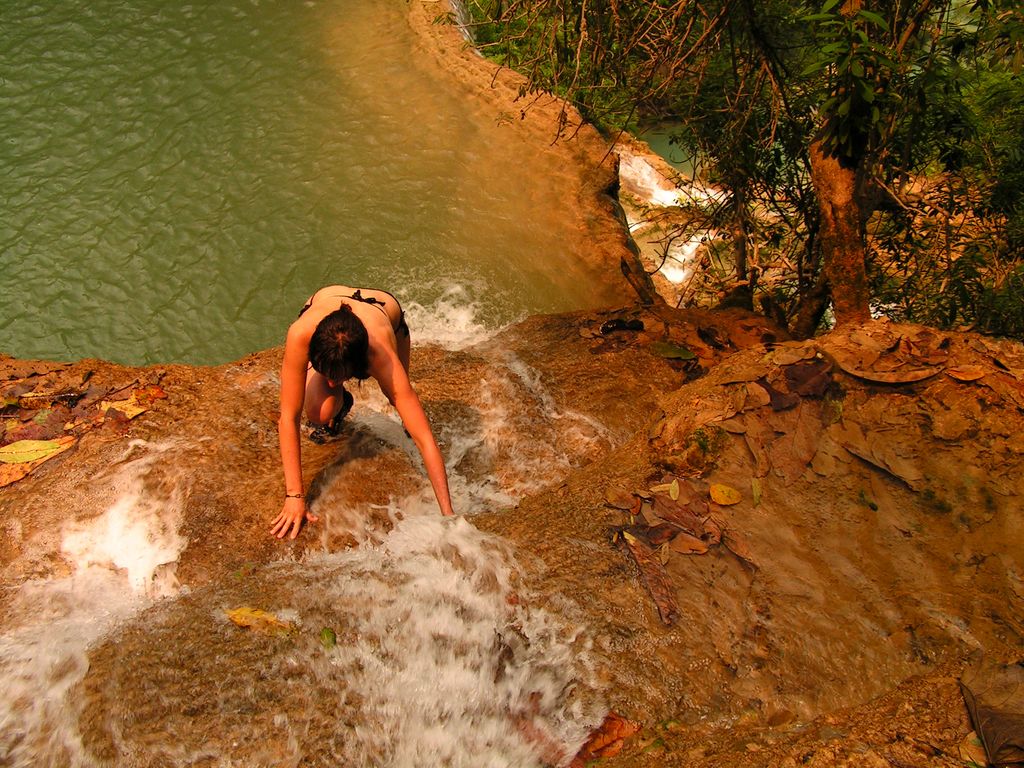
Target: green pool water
179, 177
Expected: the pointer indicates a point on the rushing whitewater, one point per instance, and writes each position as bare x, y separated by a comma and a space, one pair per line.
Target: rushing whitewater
439, 657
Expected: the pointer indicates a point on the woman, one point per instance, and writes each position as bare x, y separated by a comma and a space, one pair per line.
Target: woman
344, 333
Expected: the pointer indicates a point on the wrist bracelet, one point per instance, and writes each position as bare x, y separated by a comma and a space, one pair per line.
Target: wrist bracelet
295, 495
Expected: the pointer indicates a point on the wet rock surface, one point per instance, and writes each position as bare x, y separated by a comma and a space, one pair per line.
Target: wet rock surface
823, 618
821, 612
873, 548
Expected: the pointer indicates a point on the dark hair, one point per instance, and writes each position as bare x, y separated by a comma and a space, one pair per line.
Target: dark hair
339, 348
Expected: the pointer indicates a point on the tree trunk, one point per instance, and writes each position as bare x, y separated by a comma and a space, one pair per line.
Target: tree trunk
840, 239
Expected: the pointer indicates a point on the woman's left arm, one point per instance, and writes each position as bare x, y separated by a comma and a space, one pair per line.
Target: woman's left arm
397, 388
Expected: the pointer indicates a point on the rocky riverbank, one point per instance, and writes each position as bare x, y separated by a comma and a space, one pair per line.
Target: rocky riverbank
819, 612
759, 551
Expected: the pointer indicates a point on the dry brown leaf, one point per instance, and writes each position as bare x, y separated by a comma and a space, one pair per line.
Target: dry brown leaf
680, 515
685, 544
654, 577
130, 408
966, 372
673, 490
618, 497
606, 741
788, 353
738, 546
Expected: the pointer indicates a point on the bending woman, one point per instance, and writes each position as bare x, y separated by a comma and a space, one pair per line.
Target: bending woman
344, 333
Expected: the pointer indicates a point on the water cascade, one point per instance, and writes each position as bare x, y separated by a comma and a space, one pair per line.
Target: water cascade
417, 646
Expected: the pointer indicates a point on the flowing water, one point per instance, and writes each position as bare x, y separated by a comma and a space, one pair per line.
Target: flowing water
178, 178
420, 646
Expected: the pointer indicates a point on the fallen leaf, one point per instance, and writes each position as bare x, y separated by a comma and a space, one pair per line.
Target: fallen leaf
671, 351
790, 353
685, 544
755, 488
780, 401
12, 473
966, 372
654, 577
618, 497
736, 544
724, 495
972, 751
259, 621
25, 451
606, 741
327, 638
673, 490
129, 408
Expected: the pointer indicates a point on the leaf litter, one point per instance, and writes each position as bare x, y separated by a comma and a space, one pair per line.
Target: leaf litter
43, 414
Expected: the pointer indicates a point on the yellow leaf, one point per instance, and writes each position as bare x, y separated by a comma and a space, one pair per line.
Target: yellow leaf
259, 621
25, 451
11, 470
755, 487
12, 473
725, 495
673, 490
130, 407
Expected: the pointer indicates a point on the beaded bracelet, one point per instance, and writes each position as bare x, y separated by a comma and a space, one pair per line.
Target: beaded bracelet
295, 495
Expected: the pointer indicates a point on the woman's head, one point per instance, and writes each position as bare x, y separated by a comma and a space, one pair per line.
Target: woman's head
339, 347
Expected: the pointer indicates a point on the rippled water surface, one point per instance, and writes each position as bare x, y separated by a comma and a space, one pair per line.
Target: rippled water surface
178, 178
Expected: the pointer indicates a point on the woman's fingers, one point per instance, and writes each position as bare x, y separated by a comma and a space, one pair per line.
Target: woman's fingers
290, 521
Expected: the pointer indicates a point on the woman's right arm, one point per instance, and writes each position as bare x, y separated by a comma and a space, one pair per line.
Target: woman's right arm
293, 392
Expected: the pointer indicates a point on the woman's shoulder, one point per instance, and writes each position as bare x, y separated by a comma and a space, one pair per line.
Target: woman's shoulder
331, 293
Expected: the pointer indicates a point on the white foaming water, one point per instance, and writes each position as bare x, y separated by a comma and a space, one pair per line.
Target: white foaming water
444, 656
121, 559
449, 663
450, 322
682, 258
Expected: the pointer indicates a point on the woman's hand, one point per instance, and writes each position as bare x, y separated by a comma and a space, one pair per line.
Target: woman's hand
291, 518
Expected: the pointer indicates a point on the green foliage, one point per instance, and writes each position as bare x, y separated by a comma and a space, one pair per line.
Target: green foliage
922, 99
854, 67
